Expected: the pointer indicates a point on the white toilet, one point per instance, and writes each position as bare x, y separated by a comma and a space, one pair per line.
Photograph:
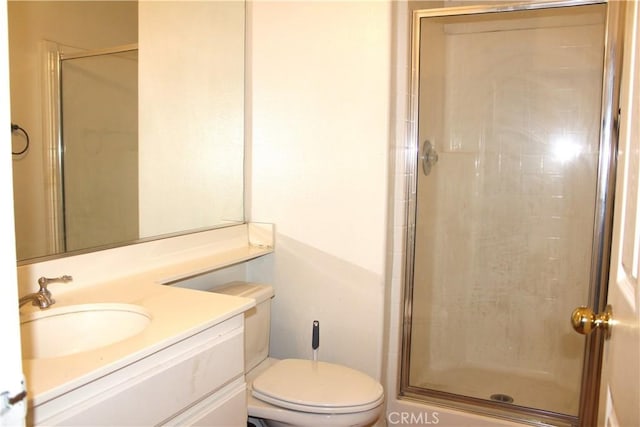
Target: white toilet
299, 392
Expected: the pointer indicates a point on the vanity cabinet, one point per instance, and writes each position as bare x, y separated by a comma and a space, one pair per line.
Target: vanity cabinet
198, 380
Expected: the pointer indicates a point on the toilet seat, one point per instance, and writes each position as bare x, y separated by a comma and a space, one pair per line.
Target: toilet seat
317, 387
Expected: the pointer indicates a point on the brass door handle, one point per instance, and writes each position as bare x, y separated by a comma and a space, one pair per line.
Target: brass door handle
584, 320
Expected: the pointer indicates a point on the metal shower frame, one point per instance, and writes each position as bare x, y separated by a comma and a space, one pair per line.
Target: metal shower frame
602, 229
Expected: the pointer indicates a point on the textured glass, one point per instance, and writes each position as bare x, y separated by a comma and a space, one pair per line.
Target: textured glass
511, 103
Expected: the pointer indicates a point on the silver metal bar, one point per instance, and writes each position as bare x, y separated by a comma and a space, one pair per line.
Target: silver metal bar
509, 7
603, 219
99, 52
60, 157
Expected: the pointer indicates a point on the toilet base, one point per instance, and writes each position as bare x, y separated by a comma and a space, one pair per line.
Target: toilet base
272, 423
256, 422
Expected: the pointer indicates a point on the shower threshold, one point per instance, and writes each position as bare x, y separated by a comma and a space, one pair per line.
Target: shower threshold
501, 386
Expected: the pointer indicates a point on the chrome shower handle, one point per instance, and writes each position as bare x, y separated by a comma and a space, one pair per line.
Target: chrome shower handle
429, 157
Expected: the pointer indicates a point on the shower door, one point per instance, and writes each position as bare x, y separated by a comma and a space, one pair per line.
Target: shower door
500, 249
99, 140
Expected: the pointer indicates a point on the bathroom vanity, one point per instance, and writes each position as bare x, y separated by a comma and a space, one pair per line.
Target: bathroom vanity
183, 365
184, 368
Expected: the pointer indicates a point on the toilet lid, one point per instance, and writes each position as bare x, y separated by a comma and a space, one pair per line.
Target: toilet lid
319, 387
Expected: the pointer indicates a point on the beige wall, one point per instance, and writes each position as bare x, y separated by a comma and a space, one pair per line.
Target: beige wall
191, 115
320, 129
11, 378
30, 23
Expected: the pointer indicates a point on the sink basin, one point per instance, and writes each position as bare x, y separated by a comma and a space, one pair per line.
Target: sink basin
73, 329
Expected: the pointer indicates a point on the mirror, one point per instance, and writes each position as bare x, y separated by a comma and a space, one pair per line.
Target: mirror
98, 173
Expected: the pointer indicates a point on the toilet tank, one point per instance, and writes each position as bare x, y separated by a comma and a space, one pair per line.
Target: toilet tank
257, 320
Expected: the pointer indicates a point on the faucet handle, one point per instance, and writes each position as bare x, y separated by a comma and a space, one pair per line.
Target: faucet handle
44, 281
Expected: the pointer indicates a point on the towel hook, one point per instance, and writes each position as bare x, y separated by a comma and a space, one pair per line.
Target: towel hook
14, 128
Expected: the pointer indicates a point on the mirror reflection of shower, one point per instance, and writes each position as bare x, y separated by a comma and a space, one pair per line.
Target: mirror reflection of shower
98, 148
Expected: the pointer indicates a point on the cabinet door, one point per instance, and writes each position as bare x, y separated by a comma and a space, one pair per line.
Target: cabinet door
156, 388
226, 408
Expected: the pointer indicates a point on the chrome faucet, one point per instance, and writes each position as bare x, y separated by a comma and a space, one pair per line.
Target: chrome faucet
37, 299
43, 297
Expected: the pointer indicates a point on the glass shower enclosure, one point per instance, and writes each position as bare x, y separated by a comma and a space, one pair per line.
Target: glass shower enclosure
98, 148
507, 174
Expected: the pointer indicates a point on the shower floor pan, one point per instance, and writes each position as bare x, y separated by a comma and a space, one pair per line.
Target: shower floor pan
524, 390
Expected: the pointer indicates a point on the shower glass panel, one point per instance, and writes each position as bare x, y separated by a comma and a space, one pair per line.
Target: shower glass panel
99, 104
508, 129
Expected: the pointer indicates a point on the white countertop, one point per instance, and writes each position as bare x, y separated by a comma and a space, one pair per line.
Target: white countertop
176, 313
